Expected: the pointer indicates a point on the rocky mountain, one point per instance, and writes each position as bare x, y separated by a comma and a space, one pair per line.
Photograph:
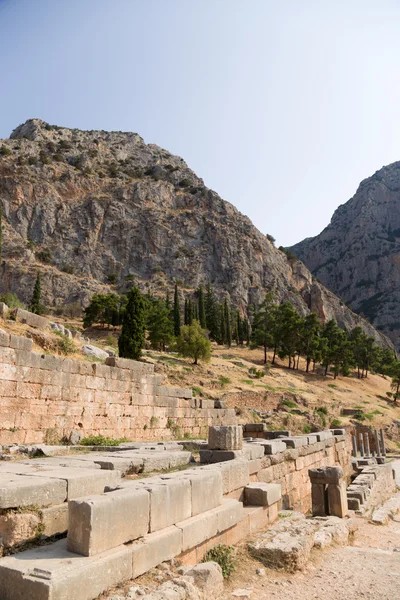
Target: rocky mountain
96, 210
358, 254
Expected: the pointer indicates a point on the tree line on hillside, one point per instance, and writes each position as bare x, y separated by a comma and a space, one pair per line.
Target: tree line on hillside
274, 327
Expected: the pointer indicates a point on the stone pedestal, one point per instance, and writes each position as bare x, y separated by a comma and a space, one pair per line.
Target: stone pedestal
225, 438
328, 492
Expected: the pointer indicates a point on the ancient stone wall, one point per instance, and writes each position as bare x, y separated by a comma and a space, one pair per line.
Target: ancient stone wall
43, 398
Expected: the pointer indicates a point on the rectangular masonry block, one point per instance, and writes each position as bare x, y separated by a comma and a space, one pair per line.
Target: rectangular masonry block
154, 549
53, 573
262, 494
198, 529
81, 482
25, 490
294, 442
54, 520
100, 523
273, 446
126, 363
170, 502
228, 437
20, 343
235, 474
31, 319
252, 451
206, 490
230, 513
250, 427
4, 337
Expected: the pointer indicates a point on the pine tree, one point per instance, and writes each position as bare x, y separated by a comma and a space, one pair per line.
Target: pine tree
35, 305
263, 325
222, 326
227, 318
186, 312
131, 340
177, 313
202, 312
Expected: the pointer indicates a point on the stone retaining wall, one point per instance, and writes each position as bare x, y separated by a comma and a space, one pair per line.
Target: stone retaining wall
43, 398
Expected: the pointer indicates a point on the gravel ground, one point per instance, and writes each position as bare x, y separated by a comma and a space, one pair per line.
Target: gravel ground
369, 569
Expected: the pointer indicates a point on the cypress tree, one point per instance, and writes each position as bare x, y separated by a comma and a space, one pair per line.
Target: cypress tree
227, 319
186, 313
202, 312
168, 302
35, 302
222, 326
177, 313
211, 308
190, 312
195, 312
131, 340
1, 233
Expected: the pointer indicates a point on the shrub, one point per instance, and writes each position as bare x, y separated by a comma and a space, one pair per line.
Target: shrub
12, 301
70, 269
223, 556
5, 151
100, 440
44, 255
258, 374
224, 381
65, 345
336, 422
289, 403
271, 238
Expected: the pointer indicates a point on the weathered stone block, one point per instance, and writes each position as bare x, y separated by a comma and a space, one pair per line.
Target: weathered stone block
80, 482
262, 494
54, 520
31, 319
99, 523
52, 572
25, 490
273, 446
206, 490
326, 474
198, 529
230, 513
21, 343
225, 437
170, 502
154, 549
4, 337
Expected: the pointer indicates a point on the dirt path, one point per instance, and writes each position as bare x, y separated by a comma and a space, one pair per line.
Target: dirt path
369, 569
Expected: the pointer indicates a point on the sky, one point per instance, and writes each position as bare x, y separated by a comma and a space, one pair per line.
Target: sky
282, 107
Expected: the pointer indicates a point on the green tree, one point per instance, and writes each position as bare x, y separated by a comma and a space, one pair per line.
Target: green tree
202, 311
131, 340
310, 346
194, 343
177, 312
288, 332
263, 325
105, 309
227, 319
35, 305
212, 314
1, 233
160, 326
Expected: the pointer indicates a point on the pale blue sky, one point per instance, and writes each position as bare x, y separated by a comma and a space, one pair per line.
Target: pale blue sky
281, 106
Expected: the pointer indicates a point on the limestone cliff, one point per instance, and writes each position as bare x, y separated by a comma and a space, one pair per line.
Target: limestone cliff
94, 210
358, 255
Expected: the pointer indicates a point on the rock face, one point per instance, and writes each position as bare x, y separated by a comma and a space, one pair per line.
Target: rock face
358, 255
96, 210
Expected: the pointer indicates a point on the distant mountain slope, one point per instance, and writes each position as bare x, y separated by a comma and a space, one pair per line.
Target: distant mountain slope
94, 210
358, 254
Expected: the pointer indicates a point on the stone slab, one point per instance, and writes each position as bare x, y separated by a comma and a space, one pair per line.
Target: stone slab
100, 523
206, 490
230, 513
25, 490
273, 446
53, 573
54, 519
198, 529
229, 437
154, 549
262, 494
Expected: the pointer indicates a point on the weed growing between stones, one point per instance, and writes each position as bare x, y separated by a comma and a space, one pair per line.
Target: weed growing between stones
100, 440
224, 556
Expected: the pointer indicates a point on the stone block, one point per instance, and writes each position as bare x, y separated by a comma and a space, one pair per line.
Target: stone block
217, 456
26, 490
154, 549
228, 437
36, 321
250, 427
235, 475
21, 343
252, 451
322, 436
198, 529
273, 435
54, 520
206, 490
126, 363
126, 466
100, 523
353, 504
4, 310
4, 337
53, 573
273, 446
230, 513
262, 494
337, 499
80, 482
208, 578
294, 442
319, 500
326, 474
170, 502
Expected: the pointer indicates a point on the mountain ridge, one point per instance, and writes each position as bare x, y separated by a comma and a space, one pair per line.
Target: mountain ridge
95, 210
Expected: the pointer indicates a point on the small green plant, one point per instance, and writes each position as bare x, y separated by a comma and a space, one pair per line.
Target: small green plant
170, 423
153, 421
258, 374
224, 381
111, 340
289, 403
100, 440
223, 556
336, 422
44, 255
197, 391
322, 411
247, 381
65, 345
332, 385
5, 151
306, 429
